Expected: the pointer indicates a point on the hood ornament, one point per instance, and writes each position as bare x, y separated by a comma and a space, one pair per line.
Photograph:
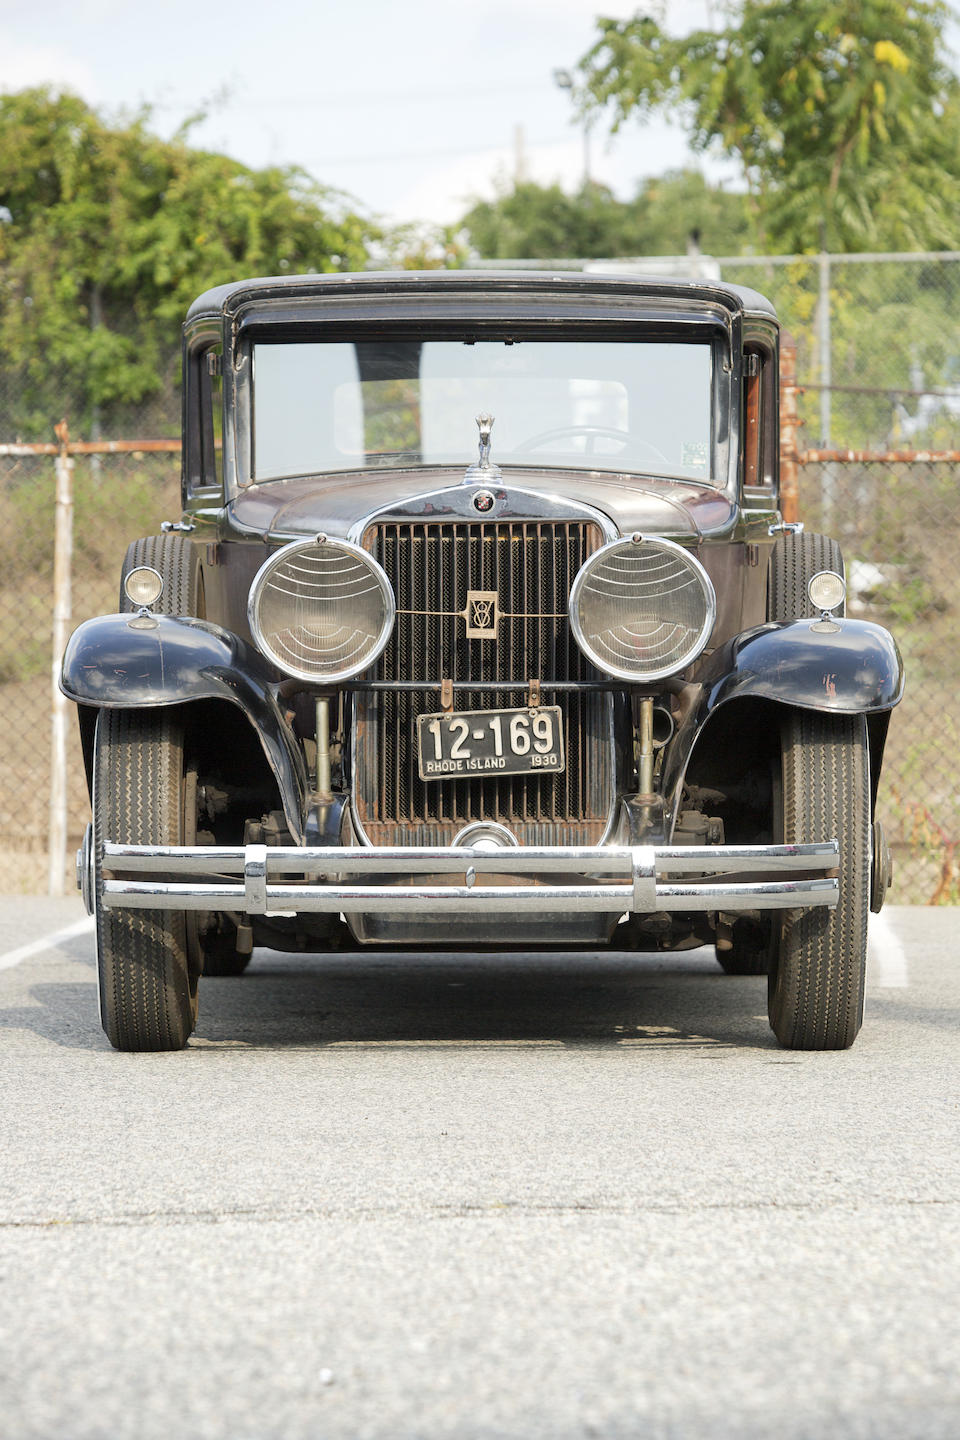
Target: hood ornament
483, 472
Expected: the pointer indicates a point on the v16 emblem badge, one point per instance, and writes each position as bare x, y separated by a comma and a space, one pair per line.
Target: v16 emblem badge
481, 615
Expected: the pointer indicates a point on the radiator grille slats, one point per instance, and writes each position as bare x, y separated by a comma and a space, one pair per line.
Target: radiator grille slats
432, 567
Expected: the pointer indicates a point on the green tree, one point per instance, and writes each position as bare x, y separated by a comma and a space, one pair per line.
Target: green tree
543, 222
420, 245
110, 232
844, 115
669, 208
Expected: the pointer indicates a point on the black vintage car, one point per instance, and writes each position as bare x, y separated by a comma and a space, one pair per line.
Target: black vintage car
482, 626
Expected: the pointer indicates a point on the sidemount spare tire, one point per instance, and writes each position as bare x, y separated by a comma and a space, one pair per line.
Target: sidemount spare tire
178, 565
795, 559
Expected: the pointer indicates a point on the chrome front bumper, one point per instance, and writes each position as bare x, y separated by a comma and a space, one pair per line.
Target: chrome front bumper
262, 880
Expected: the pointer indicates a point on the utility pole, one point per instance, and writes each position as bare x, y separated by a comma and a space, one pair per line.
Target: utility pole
519, 157
564, 80
59, 705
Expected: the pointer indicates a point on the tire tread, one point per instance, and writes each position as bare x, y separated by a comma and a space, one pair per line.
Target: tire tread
148, 1001
175, 559
793, 563
816, 987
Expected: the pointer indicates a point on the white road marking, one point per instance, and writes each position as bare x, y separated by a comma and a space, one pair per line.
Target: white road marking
46, 942
886, 958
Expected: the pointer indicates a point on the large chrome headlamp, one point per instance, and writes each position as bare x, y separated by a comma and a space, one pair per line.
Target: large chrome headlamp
322, 610
642, 609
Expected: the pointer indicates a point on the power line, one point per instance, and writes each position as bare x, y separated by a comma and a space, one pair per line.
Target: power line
356, 97
392, 158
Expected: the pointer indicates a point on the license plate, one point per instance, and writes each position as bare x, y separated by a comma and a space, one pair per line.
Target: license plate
490, 742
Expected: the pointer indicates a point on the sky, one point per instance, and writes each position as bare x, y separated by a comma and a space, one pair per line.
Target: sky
413, 110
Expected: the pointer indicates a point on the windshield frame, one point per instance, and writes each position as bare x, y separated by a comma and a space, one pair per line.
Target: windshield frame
697, 329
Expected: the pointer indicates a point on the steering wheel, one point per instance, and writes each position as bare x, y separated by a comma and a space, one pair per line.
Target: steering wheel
591, 433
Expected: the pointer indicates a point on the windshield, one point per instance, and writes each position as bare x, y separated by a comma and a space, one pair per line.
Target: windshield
622, 406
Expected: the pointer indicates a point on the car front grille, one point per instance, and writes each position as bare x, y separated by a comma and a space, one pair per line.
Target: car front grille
433, 567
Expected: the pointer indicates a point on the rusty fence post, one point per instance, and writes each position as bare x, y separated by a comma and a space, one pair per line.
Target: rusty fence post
789, 424
62, 614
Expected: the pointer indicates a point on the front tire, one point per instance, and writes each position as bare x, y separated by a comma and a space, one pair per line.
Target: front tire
816, 983
148, 988
213, 951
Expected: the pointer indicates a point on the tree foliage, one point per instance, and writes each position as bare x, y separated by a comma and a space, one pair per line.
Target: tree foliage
110, 232
843, 113
420, 245
544, 222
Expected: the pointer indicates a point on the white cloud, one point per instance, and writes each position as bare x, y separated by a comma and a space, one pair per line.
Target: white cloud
22, 66
414, 133
445, 192
675, 15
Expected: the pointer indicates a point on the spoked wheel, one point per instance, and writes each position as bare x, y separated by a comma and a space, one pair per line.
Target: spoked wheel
148, 986
816, 982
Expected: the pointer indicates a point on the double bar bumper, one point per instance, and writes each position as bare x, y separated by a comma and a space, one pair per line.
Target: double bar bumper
262, 880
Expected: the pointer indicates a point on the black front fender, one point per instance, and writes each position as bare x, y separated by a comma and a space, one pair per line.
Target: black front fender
845, 667
132, 662
849, 666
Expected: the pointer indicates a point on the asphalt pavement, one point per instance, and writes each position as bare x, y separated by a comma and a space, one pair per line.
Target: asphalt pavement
478, 1196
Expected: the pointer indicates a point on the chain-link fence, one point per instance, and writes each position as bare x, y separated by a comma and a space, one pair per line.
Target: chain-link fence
32, 395
116, 497
878, 345
878, 366
881, 335
899, 527
26, 570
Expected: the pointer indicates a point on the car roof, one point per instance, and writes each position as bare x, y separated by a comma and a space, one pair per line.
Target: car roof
227, 299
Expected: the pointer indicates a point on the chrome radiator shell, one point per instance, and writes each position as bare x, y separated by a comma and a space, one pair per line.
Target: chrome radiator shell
435, 566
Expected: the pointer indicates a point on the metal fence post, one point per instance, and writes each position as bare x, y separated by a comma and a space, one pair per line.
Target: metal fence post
62, 614
824, 344
789, 420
